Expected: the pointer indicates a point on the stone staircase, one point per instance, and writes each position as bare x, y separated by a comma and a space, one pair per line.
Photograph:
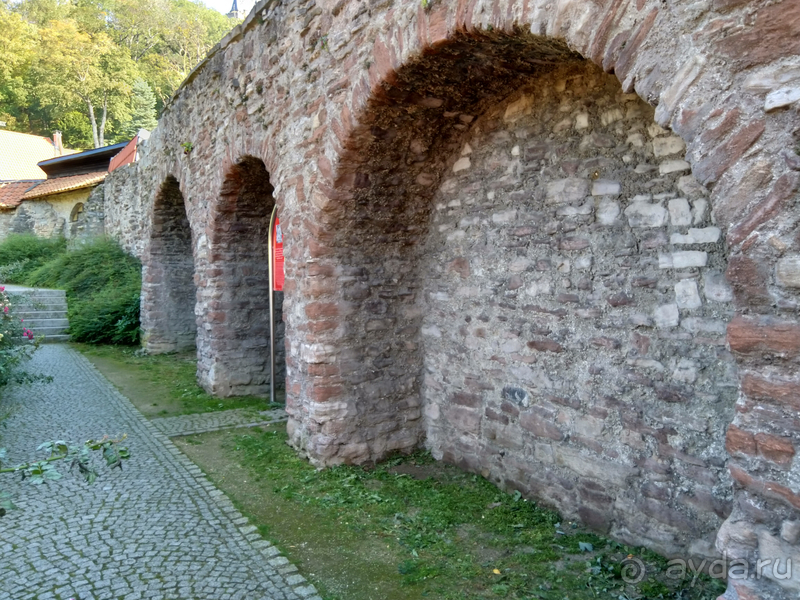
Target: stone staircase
43, 311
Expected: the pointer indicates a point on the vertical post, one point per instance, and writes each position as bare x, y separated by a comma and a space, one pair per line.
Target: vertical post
271, 254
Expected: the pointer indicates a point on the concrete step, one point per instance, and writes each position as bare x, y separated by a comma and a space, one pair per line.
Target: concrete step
41, 314
44, 312
50, 304
36, 323
37, 293
48, 331
56, 339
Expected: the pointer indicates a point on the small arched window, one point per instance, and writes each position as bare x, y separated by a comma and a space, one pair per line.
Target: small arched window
77, 210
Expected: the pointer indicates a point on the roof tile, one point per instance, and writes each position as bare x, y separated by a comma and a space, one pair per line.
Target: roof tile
65, 184
11, 193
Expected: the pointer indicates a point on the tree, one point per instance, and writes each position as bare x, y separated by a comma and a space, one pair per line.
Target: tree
17, 53
63, 57
85, 68
143, 112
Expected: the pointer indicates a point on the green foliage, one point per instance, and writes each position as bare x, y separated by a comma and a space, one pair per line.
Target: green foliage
458, 536
29, 250
103, 285
162, 384
143, 114
79, 456
16, 345
76, 130
62, 57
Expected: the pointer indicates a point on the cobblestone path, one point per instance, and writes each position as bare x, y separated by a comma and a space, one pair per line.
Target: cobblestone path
156, 530
217, 421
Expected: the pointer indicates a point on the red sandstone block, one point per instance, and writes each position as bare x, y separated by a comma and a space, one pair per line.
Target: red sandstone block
323, 393
467, 399
714, 134
749, 281
463, 419
748, 335
317, 250
709, 169
545, 346
320, 269
776, 449
781, 193
738, 441
629, 52
769, 489
784, 392
321, 310
460, 265
772, 36
540, 426
322, 370
321, 326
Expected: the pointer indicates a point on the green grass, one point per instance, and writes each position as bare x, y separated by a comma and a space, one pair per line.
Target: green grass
161, 385
459, 536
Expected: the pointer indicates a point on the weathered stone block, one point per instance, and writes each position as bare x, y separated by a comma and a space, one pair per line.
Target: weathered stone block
686, 294
644, 214
788, 271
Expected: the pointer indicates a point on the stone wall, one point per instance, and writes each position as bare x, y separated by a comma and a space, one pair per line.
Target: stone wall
360, 112
90, 223
50, 216
575, 313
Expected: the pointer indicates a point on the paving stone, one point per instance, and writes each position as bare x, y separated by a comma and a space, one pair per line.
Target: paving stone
216, 421
152, 530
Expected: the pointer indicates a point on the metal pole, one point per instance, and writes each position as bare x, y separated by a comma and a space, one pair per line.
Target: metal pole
272, 306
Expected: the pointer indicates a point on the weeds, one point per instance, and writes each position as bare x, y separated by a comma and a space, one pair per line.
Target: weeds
460, 536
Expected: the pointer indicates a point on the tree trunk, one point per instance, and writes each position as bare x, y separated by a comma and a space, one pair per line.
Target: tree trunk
103, 122
95, 139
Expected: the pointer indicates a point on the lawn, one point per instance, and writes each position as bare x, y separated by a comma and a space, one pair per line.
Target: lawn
408, 528
163, 385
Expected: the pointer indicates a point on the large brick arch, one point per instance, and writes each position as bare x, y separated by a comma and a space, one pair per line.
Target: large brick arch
168, 290
338, 94
233, 347
363, 391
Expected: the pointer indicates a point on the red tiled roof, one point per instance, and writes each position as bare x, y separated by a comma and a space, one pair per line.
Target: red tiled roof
11, 193
65, 184
19, 153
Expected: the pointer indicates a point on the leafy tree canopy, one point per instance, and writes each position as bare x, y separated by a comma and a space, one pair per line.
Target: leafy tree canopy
98, 70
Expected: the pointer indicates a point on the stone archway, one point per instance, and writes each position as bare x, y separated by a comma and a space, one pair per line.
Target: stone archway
233, 349
168, 290
532, 266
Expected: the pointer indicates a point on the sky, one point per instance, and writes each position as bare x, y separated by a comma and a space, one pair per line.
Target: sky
224, 6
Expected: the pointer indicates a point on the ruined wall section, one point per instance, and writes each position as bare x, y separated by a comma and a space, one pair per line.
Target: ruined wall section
575, 313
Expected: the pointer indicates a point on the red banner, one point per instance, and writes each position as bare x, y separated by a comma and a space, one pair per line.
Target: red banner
277, 256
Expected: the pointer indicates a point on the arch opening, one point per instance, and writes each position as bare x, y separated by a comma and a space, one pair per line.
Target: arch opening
535, 292
168, 290
233, 351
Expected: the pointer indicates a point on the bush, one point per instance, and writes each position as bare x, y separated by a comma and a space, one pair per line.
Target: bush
21, 254
16, 343
103, 285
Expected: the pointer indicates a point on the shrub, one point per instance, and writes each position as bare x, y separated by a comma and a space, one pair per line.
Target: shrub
16, 343
21, 254
103, 285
